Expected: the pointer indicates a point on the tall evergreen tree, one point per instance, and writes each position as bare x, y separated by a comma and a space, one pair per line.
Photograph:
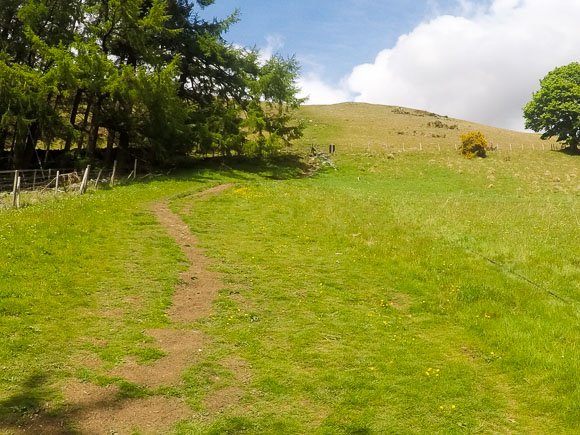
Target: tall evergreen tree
161, 81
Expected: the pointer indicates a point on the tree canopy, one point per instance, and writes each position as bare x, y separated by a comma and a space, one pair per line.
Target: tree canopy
555, 108
105, 78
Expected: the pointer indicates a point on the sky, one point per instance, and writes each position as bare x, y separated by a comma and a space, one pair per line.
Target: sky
479, 60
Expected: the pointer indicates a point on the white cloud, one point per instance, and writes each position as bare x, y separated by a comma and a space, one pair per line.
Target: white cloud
319, 92
481, 65
273, 44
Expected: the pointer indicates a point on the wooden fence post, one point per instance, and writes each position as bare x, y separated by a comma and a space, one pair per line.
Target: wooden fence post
14, 189
57, 177
34, 180
98, 179
85, 180
135, 170
113, 174
18, 193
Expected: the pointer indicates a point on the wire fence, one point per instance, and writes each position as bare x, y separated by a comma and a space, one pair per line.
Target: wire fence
444, 147
57, 181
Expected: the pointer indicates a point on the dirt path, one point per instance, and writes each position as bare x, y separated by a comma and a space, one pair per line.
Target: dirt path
96, 409
199, 287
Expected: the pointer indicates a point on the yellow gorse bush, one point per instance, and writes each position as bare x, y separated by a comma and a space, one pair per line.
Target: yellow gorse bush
473, 144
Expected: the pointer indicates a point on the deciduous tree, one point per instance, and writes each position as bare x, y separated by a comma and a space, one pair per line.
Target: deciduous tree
555, 108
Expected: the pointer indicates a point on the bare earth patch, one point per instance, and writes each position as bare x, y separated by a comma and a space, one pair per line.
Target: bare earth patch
239, 367
181, 347
400, 301
100, 342
41, 424
225, 397
88, 360
99, 410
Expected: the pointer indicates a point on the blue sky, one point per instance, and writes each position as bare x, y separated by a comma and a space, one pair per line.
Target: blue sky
328, 37
479, 60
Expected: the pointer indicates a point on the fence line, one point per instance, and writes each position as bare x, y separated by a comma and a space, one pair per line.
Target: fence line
58, 181
444, 147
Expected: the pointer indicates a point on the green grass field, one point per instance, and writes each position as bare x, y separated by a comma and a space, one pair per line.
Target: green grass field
423, 293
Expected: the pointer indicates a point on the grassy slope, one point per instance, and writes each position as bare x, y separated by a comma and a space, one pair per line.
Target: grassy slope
325, 351
354, 126
82, 277
349, 287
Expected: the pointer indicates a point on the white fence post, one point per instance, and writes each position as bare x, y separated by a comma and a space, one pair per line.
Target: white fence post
98, 179
113, 174
14, 188
85, 179
18, 192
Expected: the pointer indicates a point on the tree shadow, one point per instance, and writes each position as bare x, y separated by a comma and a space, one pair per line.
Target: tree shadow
36, 409
26, 411
569, 151
282, 167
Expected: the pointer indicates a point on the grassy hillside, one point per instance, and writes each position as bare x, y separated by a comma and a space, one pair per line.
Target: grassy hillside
353, 126
414, 293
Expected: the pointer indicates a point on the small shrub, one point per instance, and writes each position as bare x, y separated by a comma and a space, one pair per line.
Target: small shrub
473, 145
436, 124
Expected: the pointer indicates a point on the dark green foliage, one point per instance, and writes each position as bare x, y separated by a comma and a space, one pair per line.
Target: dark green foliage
555, 108
148, 77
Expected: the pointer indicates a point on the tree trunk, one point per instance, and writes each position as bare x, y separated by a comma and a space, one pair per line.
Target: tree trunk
24, 151
14, 139
123, 149
3, 137
94, 130
110, 145
73, 119
84, 126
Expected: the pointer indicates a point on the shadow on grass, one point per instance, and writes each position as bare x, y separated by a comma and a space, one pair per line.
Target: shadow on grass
32, 408
570, 152
25, 411
283, 167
